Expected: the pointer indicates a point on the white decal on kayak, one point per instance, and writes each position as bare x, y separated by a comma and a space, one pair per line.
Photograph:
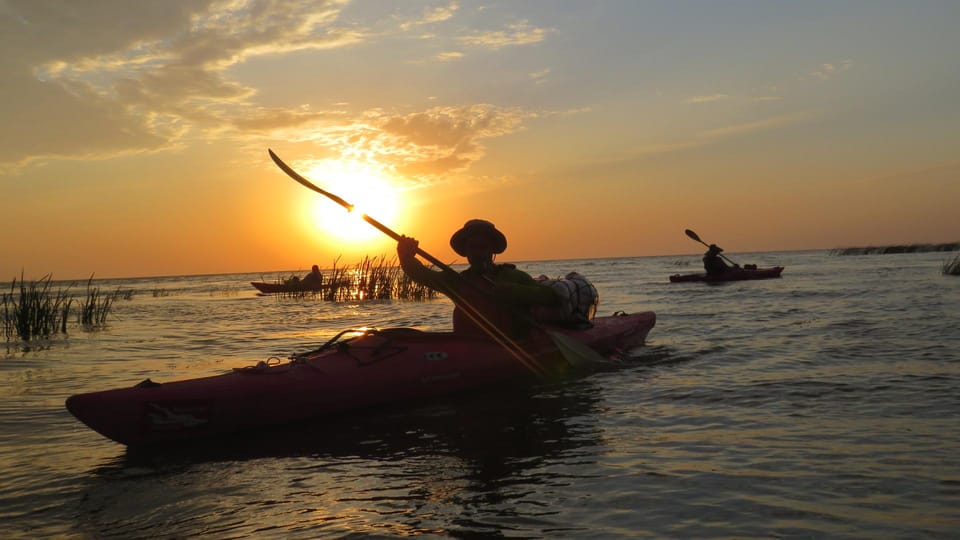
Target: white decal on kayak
435, 355
162, 416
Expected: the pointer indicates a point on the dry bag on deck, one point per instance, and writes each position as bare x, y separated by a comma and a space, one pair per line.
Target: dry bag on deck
578, 301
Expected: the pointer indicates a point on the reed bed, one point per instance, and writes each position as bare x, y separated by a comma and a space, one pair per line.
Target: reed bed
37, 312
952, 268
899, 248
377, 278
95, 306
34, 310
372, 278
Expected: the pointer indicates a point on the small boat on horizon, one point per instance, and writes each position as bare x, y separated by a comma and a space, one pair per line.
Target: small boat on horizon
279, 287
734, 274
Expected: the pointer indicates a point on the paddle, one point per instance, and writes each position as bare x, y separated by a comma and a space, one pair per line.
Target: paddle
576, 356
693, 235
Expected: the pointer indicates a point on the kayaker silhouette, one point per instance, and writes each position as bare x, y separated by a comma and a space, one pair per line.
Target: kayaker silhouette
314, 278
713, 263
503, 294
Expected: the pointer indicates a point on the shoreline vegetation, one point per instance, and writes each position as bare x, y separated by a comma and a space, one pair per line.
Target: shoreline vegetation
952, 268
372, 278
899, 248
38, 311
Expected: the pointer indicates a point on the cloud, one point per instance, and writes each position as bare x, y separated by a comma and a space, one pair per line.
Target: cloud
447, 56
136, 76
423, 147
273, 119
540, 76
432, 15
126, 77
758, 125
446, 139
520, 33
829, 71
707, 99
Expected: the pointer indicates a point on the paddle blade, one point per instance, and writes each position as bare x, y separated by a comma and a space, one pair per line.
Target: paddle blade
578, 354
693, 235
306, 183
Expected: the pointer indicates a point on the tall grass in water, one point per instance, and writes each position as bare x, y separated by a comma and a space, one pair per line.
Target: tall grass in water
379, 279
952, 268
373, 278
36, 312
95, 307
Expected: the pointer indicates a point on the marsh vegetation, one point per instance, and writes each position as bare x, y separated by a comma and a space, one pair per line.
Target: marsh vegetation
34, 310
372, 278
952, 268
898, 248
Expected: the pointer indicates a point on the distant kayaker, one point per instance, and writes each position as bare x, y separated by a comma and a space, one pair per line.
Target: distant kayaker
713, 263
314, 278
502, 294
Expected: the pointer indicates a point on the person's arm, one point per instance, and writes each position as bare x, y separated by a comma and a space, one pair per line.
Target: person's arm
418, 272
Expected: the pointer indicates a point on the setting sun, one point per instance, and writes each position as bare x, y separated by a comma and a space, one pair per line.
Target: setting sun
359, 184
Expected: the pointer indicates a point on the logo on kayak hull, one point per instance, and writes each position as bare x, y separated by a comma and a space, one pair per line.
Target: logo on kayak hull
177, 416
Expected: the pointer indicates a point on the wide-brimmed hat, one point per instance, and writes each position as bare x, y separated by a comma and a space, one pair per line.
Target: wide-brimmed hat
714, 248
476, 227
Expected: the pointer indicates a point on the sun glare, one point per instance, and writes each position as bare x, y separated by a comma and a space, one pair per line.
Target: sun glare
358, 184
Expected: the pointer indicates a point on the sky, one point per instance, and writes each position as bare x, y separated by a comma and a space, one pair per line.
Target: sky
135, 134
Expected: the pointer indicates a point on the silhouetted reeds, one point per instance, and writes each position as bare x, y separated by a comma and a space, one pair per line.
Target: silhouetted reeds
33, 310
952, 268
37, 312
379, 279
900, 248
372, 278
94, 307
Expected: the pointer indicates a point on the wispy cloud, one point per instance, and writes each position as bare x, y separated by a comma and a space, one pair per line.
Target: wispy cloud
540, 76
423, 147
707, 99
450, 55
830, 71
446, 139
432, 15
758, 125
521, 33
137, 86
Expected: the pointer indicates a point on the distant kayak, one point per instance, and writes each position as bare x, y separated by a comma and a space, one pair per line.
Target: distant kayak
289, 287
376, 367
736, 274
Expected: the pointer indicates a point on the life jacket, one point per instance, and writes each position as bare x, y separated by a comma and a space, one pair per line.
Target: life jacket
579, 300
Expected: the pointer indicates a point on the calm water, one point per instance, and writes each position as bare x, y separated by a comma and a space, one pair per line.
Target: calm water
825, 404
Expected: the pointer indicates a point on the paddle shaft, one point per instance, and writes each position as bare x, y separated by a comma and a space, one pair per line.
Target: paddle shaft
380, 226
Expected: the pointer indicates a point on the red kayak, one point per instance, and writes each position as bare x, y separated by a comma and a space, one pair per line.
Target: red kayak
736, 274
363, 369
288, 287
